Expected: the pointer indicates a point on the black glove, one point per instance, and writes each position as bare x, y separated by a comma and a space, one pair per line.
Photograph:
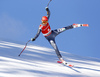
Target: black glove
32, 39
47, 9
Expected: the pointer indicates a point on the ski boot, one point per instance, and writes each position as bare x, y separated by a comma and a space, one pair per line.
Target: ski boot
63, 62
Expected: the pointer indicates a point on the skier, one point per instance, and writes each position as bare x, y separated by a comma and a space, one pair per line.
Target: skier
51, 34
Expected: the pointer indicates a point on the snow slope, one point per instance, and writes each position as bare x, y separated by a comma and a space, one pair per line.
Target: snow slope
38, 61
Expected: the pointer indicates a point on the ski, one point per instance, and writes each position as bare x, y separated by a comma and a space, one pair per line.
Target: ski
69, 65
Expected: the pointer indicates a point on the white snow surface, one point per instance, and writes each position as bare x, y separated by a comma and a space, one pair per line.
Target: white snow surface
38, 61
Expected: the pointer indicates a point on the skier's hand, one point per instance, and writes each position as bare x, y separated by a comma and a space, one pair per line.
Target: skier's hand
32, 39
47, 9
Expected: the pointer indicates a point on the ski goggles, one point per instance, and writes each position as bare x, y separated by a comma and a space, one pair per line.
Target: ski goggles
44, 22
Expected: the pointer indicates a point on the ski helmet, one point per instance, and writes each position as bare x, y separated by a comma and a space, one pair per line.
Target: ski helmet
44, 18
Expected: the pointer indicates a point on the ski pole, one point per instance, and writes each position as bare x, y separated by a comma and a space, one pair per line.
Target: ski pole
24, 48
48, 3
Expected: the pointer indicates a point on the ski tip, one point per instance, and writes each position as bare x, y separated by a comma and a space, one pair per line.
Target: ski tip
71, 65
86, 25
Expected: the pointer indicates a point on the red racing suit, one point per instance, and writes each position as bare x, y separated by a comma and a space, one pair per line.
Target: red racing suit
46, 30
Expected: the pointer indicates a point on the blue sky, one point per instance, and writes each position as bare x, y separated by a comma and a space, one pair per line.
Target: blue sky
20, 19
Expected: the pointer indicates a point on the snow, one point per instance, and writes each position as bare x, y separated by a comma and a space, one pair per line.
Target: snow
38, 61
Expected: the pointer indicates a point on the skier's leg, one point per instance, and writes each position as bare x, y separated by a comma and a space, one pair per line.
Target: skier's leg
60, 30
51, 39
53, 44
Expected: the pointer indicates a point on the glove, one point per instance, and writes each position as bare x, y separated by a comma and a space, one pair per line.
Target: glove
47, 9
32, 39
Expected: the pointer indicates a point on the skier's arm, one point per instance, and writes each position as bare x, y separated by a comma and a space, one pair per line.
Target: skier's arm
48, 12
38, 33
